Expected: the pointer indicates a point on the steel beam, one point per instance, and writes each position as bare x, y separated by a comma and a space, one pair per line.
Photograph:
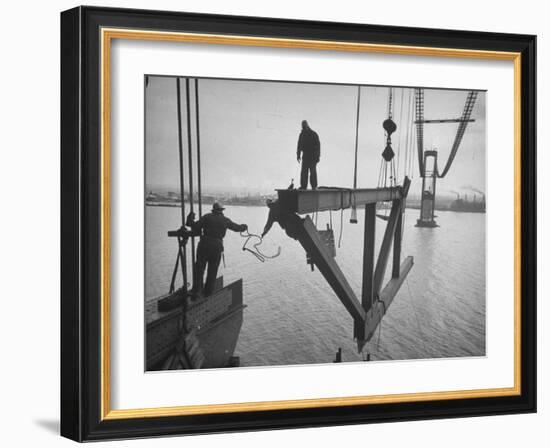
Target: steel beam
368, 313
367, 297
448, 120
380, 307
393, 229
310, 201
397, 241
325, 262
368, 256
384, 253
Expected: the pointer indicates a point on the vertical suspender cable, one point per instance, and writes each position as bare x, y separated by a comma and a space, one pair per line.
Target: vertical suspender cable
419, 120
406, 138
182, 189
199, 180
190, 155
391, 162
413, 138
357, 135
353, 218
400, 135
411, 135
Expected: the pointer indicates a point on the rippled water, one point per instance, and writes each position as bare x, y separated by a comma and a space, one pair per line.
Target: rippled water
293, 317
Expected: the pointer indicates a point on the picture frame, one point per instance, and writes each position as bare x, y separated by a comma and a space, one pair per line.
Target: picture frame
86, 37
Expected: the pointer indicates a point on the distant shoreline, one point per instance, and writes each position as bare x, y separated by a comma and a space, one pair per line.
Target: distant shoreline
249, 204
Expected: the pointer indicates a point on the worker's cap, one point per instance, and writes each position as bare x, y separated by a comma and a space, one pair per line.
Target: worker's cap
217, 207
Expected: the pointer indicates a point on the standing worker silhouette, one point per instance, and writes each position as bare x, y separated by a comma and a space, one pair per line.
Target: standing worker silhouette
309, 153
211, 228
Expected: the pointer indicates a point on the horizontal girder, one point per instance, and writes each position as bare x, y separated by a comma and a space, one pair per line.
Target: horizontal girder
448, 120
322, 199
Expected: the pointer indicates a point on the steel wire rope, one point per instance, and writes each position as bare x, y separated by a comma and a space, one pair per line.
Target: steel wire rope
400, 134
341, 227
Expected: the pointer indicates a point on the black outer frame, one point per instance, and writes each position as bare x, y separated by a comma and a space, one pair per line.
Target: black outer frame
81, 207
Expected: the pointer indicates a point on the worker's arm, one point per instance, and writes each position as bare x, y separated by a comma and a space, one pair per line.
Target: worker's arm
299, 148
235, 227
317, 147
268, 224
195, 226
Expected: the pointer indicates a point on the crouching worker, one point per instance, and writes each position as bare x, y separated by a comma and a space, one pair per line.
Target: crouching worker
211, 228
289, 222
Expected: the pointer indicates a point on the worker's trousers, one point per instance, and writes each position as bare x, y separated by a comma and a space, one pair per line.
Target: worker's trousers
209, 253
309, 169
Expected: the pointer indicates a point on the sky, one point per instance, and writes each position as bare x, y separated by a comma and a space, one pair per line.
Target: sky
249, 131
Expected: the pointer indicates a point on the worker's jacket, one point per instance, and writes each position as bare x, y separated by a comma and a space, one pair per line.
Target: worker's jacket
309, 145
212, 228
289, 222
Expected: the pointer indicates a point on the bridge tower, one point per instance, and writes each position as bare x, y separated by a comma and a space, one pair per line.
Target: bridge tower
427, 160
427, 201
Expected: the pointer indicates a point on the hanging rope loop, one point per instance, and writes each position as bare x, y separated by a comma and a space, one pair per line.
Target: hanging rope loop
256, 251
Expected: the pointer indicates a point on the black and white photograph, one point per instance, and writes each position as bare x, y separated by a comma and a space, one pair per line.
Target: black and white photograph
293, 223
275, 224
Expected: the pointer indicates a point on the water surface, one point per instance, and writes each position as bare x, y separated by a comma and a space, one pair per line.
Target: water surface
293, 316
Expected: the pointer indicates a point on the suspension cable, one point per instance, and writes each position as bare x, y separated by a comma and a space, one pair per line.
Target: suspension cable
466, 113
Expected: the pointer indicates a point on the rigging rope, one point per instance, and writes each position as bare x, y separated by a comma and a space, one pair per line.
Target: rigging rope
400, 134
388, 155
380, 171
182, 253
341, 227
406, 138
390, 104
353, 218
199, 179
357, 135
190, 163
412, 138
256, 251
